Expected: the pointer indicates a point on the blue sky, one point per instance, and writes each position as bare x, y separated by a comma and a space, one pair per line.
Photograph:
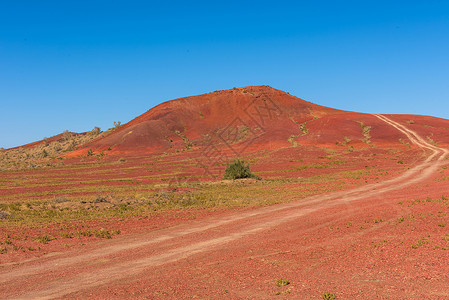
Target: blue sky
73, 65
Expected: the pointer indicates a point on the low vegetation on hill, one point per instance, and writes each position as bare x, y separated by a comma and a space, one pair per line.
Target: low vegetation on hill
44, 154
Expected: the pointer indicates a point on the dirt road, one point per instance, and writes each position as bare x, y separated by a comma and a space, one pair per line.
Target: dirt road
124, 258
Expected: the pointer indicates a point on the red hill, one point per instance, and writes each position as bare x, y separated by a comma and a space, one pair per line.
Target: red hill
254, 117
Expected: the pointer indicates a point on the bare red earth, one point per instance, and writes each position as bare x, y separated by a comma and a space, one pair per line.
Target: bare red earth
195, 136
371, 241
251, 118
383, 236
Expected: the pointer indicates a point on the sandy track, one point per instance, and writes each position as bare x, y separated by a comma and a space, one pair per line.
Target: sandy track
60, 275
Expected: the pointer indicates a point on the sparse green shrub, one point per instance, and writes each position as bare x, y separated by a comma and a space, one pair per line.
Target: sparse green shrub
90, 152
70, 147
282, 282
95, 131
237, 170
66, 135
329, 296
420, 243
103, 233
86, 233
67, 235
44, 239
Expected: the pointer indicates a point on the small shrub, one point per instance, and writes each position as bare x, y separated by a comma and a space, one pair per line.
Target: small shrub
86, 233
66, 135
100, 199
44, 239
90, 152
420, 243
282, 282
237, 170
95, 131
67, 235
70, 147
103, 233
329, 296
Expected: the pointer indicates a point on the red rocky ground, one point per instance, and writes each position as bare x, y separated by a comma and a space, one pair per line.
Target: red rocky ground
385, 238
363, 207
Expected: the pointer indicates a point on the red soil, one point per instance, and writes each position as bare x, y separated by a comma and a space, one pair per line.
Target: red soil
250, 119
236, 118
352, 242
373, 241
194, 136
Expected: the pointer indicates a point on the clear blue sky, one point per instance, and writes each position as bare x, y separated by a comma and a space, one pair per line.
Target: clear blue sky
73, 65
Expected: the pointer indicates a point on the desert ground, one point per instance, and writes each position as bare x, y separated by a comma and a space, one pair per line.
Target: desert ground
348, 205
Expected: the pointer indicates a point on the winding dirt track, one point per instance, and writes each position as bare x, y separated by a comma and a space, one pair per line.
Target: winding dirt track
123, 257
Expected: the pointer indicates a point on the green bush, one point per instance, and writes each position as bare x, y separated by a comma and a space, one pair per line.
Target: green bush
282, 282
44, 239
329, 296
238, 169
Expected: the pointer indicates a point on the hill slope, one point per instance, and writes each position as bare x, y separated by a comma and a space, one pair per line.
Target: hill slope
249, 118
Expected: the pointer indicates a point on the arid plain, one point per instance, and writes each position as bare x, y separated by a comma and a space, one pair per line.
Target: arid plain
348, 205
